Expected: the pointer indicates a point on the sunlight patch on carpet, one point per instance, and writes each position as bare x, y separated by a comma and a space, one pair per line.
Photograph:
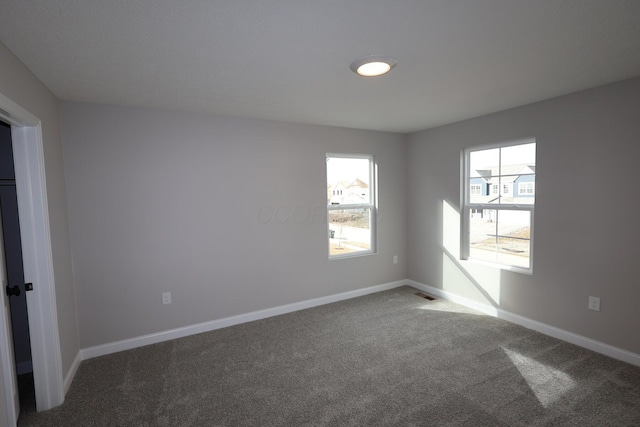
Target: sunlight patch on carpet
445, 308
547, 383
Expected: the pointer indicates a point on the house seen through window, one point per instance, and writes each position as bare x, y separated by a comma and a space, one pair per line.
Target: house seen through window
498, 226
350, 205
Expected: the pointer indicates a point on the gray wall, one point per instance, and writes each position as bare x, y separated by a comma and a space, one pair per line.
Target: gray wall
587, 233
22, 87
185, 203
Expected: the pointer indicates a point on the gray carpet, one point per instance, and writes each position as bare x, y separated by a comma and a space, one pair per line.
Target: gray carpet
389, 358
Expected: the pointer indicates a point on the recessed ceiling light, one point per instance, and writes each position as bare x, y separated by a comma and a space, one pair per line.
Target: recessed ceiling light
375, 65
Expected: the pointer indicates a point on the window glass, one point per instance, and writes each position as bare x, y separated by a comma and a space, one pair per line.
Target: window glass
350, 207
498, 219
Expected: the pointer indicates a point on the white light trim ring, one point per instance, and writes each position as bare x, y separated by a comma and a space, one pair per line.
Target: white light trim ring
372, 66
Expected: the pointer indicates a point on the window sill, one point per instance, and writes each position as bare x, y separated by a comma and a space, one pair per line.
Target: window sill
512, 268
351, 255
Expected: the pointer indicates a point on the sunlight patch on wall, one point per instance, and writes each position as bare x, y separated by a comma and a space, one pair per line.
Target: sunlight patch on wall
450, 229
548, 384
456, 280
475, 281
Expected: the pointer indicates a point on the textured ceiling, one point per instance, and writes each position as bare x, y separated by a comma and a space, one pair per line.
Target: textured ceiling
289, 60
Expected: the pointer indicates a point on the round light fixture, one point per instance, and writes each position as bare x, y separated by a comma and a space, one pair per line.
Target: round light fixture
375, 65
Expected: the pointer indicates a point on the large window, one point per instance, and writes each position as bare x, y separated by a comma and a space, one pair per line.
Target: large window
498, 227
350, 205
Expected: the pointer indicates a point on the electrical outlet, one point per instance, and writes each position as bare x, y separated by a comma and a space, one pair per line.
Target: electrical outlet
166, 298
395, 259
594, 303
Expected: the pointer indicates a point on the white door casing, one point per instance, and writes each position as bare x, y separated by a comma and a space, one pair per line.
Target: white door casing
33, 214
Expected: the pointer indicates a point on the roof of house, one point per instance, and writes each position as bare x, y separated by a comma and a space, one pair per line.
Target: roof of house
354, 183
508, 173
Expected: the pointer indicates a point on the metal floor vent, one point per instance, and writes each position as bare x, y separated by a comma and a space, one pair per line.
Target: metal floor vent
425, 296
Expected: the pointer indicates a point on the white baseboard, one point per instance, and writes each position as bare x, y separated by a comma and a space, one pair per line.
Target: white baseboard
26, 367
68, 378
132, 343
128, 344
588, 343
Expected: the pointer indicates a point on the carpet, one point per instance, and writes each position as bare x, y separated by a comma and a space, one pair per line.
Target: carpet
390, 358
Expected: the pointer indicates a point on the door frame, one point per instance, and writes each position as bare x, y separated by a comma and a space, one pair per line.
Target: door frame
28, 153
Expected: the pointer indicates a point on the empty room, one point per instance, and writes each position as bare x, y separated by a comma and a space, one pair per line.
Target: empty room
319, 213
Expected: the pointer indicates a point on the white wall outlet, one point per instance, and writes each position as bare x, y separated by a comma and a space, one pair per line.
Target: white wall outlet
166, 298
395, 259
594, 303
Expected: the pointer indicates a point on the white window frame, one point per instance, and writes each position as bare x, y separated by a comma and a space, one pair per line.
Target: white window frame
371, 206
467, 206
524, 186
475, 189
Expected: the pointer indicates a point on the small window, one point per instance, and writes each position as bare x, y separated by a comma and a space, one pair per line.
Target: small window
351, 209
527, 188
498, 227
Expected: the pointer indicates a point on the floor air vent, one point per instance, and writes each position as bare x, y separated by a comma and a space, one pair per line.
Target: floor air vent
425, 296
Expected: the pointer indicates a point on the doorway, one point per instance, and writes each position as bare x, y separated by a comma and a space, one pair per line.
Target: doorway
14, 270
49, 381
